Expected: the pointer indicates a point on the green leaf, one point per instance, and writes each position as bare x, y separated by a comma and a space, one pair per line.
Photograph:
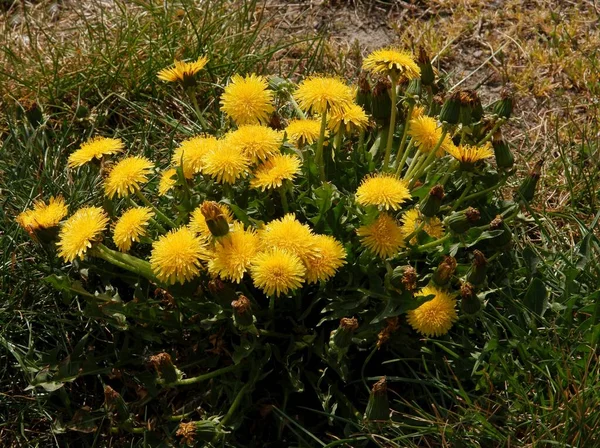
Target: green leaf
536, 297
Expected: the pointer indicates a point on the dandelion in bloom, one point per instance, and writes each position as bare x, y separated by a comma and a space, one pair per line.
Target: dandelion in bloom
394, 62
418, 112
183, 72
80, 231
177, 256
168, 179
43, 216
383, 190
383, 237
247, 100
277, 271
131, 226
319, 94
350, 118
468, 155
95, 148
226, 164
289, 234
426, 133
436, 316
412, 219
198, 221
127, 176
255, 141
191, 153
233, 253
272, 173
327, 257
303, 132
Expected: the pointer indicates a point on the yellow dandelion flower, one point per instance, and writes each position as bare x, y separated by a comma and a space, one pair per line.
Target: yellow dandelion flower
328, 256
182, 71
43, 216
383, 190
198, 221
226, 164
436, 316
418, 112
127, 176
247, 100
303, 132
412, 219
233, 253
392, 61
192, 152
277, 271
320, 94
95, 148
273, 172
80, 231
383, 237
131, 226
255, 141
352, 118
426, 132
289, 234
168, 179
176, 256
468, 155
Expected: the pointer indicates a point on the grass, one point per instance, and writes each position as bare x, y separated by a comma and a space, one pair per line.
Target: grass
81, 69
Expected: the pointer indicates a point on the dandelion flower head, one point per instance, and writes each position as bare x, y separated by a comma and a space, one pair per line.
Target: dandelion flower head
383, 190
393, 62
80, 231
168, 179
412, 219
327, 257
43, 216
277, 271
95, 148
383, 237
468, 154
226, 164
198, 221
349, 118
131, 226
233, 253
319, 94
289, 234
426, 134
127, 176
182, 71
255, 141
247, 100
272, 173
191, 153
436, 316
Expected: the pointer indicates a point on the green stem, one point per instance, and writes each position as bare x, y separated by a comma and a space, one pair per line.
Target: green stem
236, 403
404, 134
404, 158
463, 194
296, 107
319, 153
490, 134
361, 142
284, 202
125, 261
430, 158
338, 138
453, 167
200, 378
413, 163
152, 220
192, 96
484, 192
390, 137
433, 243
415, 232
160, 214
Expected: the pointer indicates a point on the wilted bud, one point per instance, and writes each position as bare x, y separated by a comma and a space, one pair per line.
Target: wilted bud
404, 278
222, 291
113, 402
363, 94
469, 103
242, 312
469, 302
433, 202
505, 237
341, 338
504, 106
460, 222
527, 189
199, 431
436, 104
392, 325
381, 103
504, 156
444, 271
450, 112
215, 218
378, 407
478, 270
164, 367
427, 75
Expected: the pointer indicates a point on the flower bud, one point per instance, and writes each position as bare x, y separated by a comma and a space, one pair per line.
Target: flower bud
427, 74
165, 368
504, 156
242, 312
433, 202
469, 302
460, 222
341, 338
363, 94
444, 271
468, 101
378, 407
392, 325
199, 431
504, 106
114, 403
527, 189
450, 112
404, 278
381, 102
478, 271
215, 218
505, 237
436, 104
413, 90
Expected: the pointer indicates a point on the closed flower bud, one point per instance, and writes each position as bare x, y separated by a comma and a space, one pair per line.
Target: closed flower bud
433, 201
413, 90
450, 112
504, 106
469, 302
114, 403
165, 368
199, 431
444, 271
427, 74
341, 338
215, 219
527, 189
468, 100
378, 407
505, 237
436, 104
404, 278
242, 312
502, 152
363, 94
460, 222
478, 271
381, 102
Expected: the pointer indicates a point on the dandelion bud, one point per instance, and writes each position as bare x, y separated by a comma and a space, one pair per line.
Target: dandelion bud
114, 403
413, 90
436, 104
444, 271
504, 156
468, 102
527, 188
242, 312
381, 103
378, 407
363, 95
505, 237
460, 222
504, 106
469, 302
427, 75
450, 112
478, 270
215, 218
404, 278
341, 338
433, 202
165, 368
198, 431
